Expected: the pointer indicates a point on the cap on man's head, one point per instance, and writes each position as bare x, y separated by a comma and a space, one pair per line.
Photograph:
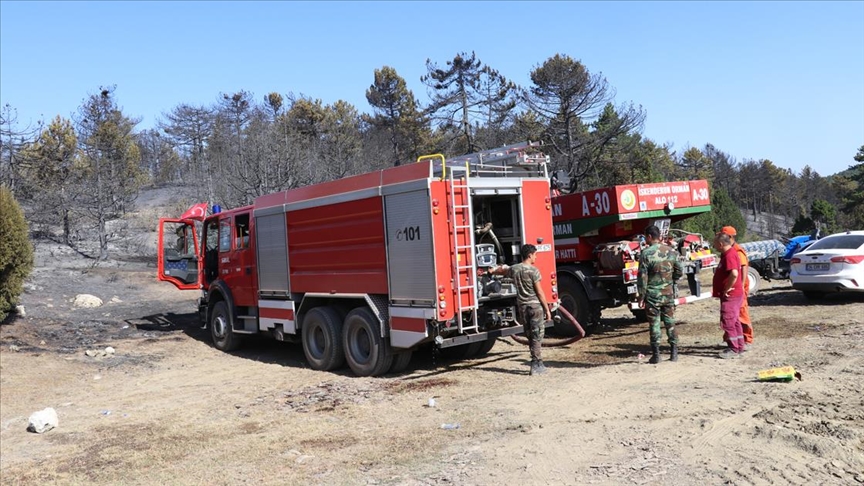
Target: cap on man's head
729, 230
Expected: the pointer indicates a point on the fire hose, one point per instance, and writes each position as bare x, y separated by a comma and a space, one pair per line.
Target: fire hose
580, 333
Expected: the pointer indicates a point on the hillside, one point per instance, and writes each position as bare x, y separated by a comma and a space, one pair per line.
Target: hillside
766, 226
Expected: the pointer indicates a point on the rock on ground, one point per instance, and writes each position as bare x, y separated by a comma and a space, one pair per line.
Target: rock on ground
87, 300
43, 421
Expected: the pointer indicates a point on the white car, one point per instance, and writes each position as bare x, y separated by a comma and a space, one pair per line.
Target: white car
833, 264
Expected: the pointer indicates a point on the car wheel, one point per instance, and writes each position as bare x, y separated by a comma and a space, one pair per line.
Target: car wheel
322, 339
220, 328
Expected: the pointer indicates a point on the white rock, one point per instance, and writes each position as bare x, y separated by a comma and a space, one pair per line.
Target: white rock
116, 300
43, 421
86, 300
303, 459
19, 309
109, 350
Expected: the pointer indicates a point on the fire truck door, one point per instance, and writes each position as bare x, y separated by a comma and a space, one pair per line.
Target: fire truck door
177, 253
236, 258
537, 230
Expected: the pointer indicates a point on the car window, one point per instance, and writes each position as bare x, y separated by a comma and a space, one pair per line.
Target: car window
840, 242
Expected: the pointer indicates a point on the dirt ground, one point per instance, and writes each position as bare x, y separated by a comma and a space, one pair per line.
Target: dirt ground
168, 408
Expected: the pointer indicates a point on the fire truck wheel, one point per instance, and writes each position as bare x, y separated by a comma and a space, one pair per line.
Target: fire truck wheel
485, 347
401, 362
322, 339
458, 353
220, 328
574, 299
367, 353
753, 279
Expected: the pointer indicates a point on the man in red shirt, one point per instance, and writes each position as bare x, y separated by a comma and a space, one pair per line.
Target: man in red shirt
728, 286
744, 317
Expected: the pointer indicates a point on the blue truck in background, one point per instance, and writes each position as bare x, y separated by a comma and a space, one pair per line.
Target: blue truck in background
769, 259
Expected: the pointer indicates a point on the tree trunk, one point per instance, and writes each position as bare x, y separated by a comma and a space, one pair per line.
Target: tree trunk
66, 230
103, 239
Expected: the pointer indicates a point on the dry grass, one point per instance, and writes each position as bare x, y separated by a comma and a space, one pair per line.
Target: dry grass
418, 386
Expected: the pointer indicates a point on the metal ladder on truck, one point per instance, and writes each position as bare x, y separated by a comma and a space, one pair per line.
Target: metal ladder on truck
504, 161
461, 214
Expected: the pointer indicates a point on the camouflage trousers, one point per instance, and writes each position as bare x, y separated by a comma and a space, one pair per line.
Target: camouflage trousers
665, 312
532, 318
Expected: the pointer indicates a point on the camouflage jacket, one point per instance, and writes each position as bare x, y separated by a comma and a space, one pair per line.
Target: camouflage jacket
659, 270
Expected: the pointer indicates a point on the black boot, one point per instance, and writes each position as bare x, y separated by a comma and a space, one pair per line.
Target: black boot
537, 367
655, 354
541, 368
673, 356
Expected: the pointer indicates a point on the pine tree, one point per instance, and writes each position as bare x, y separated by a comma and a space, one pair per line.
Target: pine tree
396, 114
567, 98
16, 253
466, 95
52, 174
110, 161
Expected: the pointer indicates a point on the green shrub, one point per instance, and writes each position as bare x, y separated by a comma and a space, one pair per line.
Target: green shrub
16, 252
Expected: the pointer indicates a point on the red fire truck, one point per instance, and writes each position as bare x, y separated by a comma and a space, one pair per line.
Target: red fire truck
368, 268
598, 242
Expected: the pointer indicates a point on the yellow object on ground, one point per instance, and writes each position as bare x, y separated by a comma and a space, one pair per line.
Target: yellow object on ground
785, 373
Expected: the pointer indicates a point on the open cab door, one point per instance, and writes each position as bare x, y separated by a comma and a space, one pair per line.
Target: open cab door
178, 259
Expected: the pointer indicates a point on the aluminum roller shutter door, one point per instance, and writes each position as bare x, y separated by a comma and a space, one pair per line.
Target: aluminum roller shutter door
409, 247
272, 246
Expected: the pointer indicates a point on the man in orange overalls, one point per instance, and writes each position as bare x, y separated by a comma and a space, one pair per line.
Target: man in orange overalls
744, 316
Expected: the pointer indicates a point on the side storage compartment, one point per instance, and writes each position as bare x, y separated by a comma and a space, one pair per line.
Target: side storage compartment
411, 261
272, 246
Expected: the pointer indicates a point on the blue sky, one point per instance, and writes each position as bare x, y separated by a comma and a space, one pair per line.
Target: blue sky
777, 80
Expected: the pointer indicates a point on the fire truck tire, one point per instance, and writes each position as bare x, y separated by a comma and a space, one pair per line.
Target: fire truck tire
367, 353
458, 353
322, 339
485, 347
401, 362
220, 328
575, 300
754, 280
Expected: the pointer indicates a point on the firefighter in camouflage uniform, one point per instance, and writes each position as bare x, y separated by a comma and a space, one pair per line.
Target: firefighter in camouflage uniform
532, 309
659, 270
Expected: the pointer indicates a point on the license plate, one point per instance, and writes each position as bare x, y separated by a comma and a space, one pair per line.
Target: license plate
631, 289
817, 267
